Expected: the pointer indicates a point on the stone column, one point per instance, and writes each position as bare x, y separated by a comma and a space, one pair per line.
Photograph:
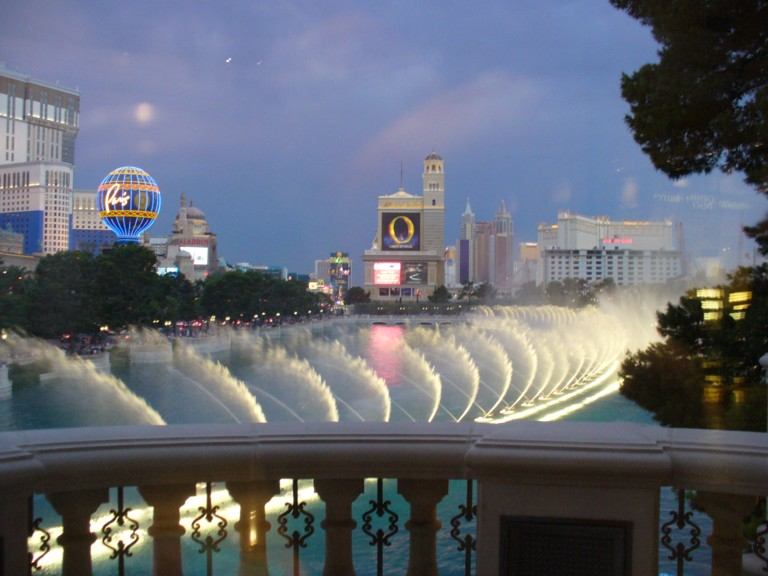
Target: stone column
75, 509
14, 518
727, 540
253, 525
423, 496
166, 531
338, 496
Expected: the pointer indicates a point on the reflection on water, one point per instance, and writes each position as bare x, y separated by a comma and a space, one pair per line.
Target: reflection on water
384, 352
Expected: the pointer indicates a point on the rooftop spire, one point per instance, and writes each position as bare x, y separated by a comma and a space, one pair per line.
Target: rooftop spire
468, 209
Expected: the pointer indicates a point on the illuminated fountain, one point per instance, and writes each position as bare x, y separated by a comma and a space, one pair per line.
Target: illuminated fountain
499, 364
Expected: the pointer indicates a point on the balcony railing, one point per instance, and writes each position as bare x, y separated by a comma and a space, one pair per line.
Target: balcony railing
544, 492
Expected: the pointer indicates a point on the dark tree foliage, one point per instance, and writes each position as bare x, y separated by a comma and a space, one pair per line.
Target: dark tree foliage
669, 378
357, 295
573, 292
704, 104
129, 290
14, 284
666, 380
249, 294
484, 292
75, 292
440, 295
62, 296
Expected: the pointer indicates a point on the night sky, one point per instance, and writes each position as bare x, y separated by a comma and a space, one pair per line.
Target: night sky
283, 121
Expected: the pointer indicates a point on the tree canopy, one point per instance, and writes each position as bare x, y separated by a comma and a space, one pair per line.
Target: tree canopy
75, 292
670, 378
704, 104
440, 295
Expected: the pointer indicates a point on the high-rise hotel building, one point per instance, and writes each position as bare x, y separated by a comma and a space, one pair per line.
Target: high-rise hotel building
38, 127
406, 260
630, 252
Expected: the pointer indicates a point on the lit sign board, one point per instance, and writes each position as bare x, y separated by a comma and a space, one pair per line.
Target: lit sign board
168, 271
199, 254
414, 273
401, 231
618, 240
386, 273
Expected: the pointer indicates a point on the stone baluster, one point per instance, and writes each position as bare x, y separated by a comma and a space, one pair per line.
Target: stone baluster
166, 531
75, 509
423, 496
727, 540
253, 525
14, 515
338, 496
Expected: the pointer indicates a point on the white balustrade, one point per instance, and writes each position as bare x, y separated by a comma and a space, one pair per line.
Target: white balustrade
568, 471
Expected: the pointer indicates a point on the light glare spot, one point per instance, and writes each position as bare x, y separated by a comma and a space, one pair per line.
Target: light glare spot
144, 113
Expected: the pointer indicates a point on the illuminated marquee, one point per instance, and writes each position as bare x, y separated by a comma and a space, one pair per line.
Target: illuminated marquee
386, 273
414, 273
129, 202
199, 254
401, 231
618, 240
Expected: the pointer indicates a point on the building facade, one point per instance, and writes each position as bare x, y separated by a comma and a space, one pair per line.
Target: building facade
89, 233
406, 261
485, 250
38, 127
339, 271
191, 248
596, 249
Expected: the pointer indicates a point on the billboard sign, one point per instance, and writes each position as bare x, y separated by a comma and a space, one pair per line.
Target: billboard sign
401, 231
386, 273
199, 254
414, 273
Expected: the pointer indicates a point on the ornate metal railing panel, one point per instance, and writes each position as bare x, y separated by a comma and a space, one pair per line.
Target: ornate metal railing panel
761, 545
468, 513
209, 544
296, 540
44, 547
120, 524
681, 520
382, 536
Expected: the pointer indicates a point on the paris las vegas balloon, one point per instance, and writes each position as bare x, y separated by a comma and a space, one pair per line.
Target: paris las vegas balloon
129, 202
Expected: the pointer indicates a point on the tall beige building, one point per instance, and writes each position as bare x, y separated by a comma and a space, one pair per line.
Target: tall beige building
38, 127
406, 261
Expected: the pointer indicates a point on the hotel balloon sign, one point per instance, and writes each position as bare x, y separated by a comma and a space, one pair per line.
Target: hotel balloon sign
129, 202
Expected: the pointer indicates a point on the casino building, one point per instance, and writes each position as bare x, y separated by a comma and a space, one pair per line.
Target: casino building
191, 248
630, 252
406, 260
38, 127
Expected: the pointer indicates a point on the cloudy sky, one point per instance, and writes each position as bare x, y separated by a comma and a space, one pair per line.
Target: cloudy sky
284, 120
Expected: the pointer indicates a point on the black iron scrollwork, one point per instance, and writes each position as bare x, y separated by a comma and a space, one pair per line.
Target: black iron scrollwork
761, 549
468, 543
45, 547
380, 538
295, 540
209, 544
680, 519
120, 520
